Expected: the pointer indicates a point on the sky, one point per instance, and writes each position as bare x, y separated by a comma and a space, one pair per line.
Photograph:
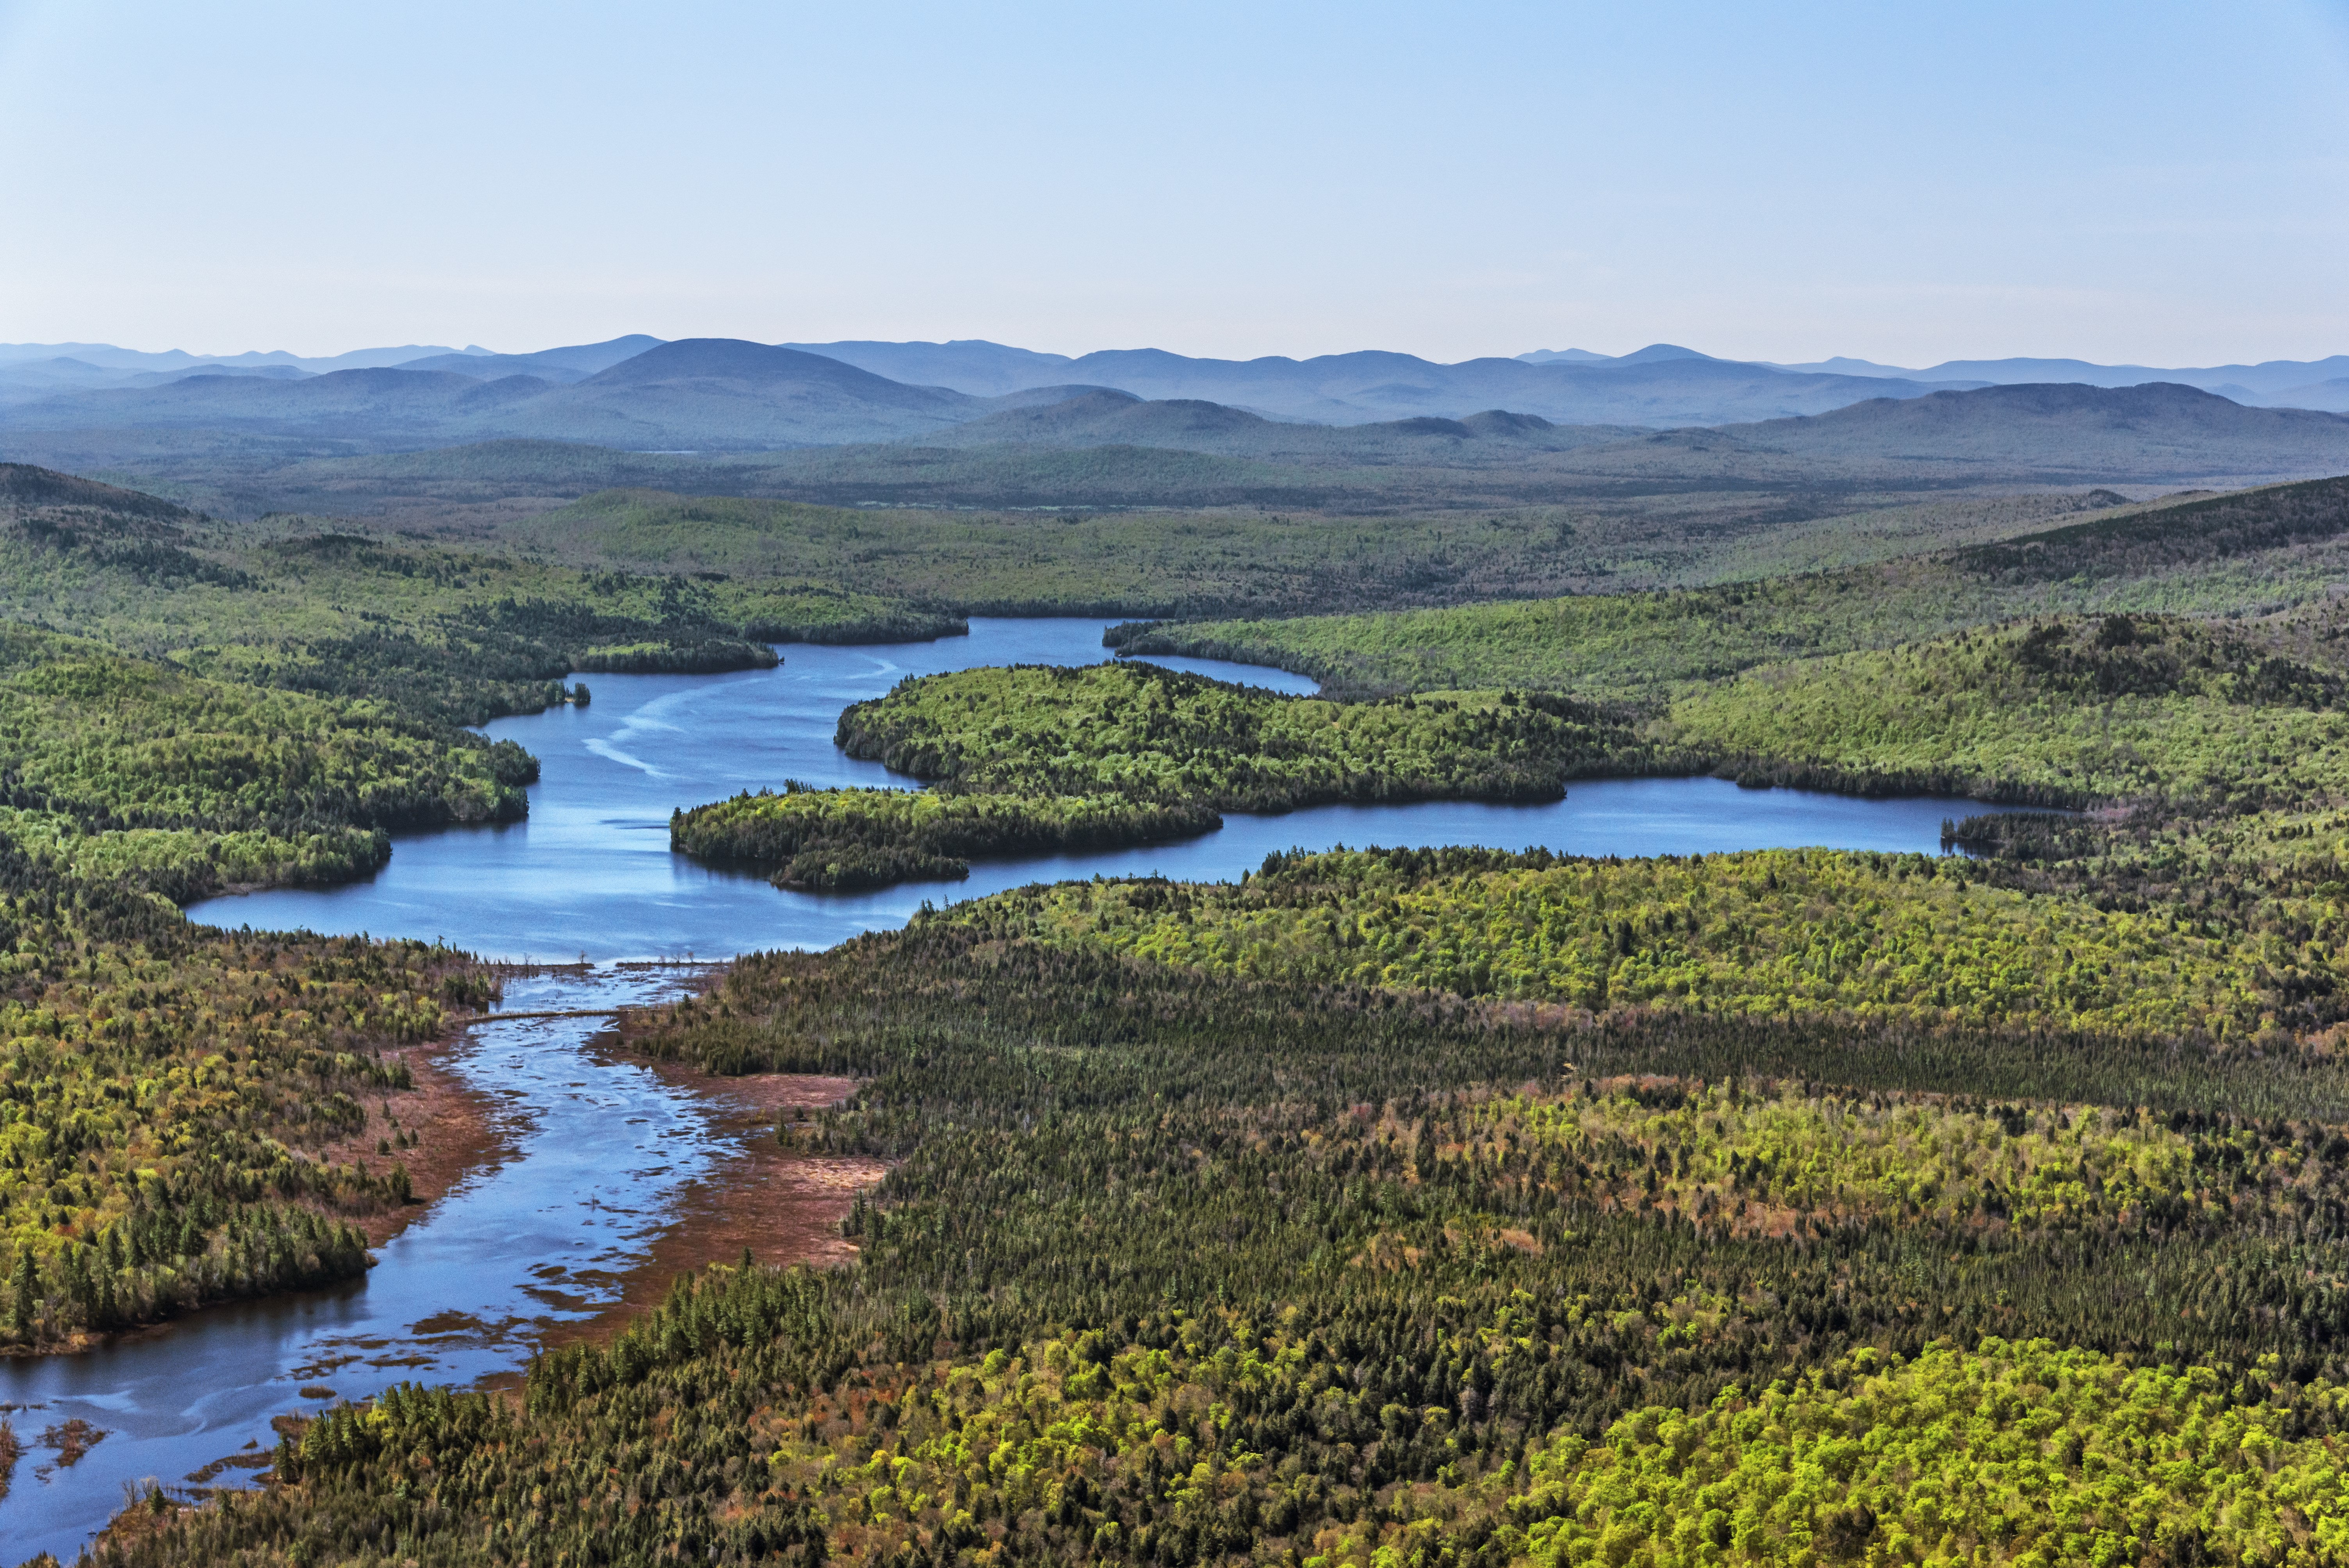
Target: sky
2145, 183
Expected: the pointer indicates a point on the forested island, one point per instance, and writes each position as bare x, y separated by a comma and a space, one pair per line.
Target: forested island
1041, 758
1386, 1208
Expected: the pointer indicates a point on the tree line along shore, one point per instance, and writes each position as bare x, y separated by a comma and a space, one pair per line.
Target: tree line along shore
1458, 1206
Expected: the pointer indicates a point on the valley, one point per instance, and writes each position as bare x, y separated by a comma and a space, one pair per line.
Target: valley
1474, 983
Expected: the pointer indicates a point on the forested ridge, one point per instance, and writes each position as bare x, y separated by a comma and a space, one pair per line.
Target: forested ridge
1773, 933
2251, 552
447, 633
2211, 718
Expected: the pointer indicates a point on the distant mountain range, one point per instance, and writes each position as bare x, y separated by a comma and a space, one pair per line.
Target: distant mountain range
983, 369
99, 405
2274, 382
561, 366
2061, 432
2321, 384
696, 393
1100, 447
722, 393
1367, 386
105, 356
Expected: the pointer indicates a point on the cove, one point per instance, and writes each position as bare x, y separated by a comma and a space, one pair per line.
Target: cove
590, 874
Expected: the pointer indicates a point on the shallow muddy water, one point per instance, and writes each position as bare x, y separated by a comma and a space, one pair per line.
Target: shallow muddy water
602, 1153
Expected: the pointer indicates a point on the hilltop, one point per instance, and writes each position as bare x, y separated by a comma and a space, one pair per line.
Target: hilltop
732, 395
2159, 430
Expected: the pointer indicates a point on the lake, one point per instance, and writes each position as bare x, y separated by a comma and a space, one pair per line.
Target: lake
602, 1150
591, 874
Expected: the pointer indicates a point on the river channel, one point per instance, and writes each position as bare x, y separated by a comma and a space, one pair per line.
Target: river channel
600, 1151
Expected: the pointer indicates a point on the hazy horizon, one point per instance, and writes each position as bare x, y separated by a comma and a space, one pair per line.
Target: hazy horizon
424, 349
2157, 185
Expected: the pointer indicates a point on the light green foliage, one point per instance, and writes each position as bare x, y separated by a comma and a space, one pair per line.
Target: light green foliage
2095, 709
1757, 1162
837, 840
1166, 734
158, 1100
144, 574
2022, 1452
165, 1092
1399, 1299
1460, 1210
1279, 556
447, 633
187, 863
1035, 758
1593, 645
1801, 932
2258, 550
1069, 563
119, 766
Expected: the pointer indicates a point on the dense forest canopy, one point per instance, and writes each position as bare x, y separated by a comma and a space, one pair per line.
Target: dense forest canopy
1264, 1268
2254, 551
1040, 758
1389, 1209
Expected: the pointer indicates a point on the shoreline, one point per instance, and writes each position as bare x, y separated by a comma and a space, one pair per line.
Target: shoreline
458, 1131
458, 1136
785, 1207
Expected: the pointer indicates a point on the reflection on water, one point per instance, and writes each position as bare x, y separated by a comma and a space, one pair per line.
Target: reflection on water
601, 1148
590, 874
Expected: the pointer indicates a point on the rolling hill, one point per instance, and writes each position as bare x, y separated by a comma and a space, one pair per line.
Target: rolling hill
1486, 432
701, 392
1657, 386
395, 406
2158, 431
2276, 383
1101, 416
559, 365
723, 391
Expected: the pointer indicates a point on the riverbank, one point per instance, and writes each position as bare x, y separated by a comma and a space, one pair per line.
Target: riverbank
784, 1208
441, 1131
620, 1174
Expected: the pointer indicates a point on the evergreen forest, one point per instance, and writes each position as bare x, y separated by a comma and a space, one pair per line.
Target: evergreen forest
1385, 1208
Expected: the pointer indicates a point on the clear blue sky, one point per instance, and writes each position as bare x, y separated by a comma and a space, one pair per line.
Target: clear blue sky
2152, 183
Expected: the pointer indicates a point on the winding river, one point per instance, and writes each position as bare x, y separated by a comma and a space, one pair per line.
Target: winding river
600, 1152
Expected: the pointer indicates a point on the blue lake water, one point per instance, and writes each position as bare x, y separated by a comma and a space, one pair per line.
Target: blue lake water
601, 1148
591, 873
